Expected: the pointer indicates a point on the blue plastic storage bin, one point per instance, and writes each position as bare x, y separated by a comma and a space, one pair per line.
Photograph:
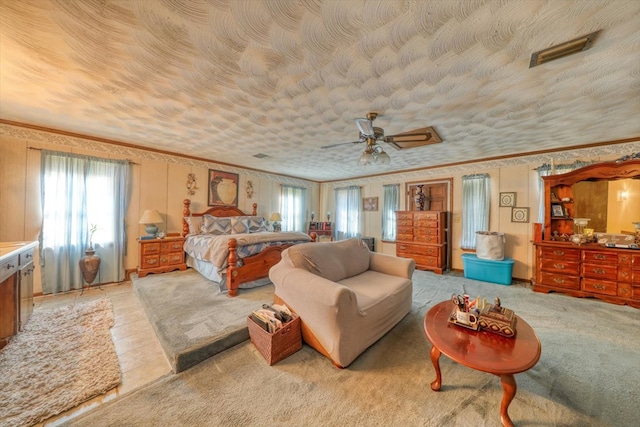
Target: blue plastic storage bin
487, 270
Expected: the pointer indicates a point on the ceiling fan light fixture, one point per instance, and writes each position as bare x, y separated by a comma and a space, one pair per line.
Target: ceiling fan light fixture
383, 158
366, 159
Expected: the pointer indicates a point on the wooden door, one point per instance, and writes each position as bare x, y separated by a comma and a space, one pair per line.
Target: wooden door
436, 196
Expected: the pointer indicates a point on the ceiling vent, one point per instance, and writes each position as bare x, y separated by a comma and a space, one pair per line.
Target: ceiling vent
563, 49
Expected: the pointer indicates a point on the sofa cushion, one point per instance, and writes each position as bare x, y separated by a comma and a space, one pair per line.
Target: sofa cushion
331, 260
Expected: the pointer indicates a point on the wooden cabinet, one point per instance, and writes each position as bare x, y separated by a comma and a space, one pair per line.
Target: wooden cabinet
16, 288
321, 229
421, 235
161, 255
610, 273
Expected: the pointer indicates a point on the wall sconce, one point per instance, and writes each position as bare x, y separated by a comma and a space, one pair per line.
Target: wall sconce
623, 195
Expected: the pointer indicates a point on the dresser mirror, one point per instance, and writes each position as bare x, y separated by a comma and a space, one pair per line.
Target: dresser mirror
612, 206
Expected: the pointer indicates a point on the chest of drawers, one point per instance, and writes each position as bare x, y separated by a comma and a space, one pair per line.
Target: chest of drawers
161, 255
610, 274
421, 235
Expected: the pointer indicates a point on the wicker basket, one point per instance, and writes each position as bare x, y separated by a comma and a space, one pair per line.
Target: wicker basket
278, 345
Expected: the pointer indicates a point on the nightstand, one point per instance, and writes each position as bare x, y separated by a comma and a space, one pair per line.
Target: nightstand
160, 255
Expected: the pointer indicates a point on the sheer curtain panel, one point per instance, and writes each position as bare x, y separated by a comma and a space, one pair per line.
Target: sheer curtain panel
348, 207
292, 208
475, 208
78, 192
390, 204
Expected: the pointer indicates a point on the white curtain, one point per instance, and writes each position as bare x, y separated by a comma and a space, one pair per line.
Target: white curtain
292, 208
548, 169
390, 204
348, 208
475, 208
78, 192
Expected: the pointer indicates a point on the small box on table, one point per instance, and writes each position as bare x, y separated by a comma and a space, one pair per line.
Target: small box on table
486, 270
277, 345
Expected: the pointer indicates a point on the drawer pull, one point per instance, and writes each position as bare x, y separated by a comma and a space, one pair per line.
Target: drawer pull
624, 259
599, 256
599, 286
152, 261
10, 266
559, 253
28, 256
624, 291
559, 266
599, 271
558, 280
624, 274
403, 247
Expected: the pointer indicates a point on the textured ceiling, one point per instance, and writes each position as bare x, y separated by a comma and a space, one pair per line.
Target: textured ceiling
227, 79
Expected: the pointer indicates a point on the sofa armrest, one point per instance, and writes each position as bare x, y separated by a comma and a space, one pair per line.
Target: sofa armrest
392, 265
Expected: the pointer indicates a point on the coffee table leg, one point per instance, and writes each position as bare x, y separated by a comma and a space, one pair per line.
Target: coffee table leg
509, 386
435, 359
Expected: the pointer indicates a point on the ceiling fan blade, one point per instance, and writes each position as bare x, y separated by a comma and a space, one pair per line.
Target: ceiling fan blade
342, 143
365, 126
413, 138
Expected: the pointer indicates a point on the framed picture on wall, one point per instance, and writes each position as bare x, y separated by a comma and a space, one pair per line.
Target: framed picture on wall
519, 214
507, 199
223, 188
370, 204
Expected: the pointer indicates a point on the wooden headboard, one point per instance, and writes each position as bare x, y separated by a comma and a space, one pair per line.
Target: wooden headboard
219, 211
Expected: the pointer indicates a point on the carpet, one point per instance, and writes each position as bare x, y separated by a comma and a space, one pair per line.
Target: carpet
587, 375
192, 319
64, 356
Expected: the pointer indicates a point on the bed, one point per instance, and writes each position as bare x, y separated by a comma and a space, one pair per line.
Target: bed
230, 256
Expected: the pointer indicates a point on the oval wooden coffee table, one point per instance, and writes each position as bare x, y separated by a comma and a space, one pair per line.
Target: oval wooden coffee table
481, 350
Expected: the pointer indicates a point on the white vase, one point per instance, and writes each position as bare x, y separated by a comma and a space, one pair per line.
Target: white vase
227, 190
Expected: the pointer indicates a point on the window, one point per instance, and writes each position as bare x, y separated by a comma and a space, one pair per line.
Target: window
348, 204
76, 193
475, 208
292, 208
390, 204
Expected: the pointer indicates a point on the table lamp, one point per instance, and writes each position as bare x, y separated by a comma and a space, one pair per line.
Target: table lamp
276, 218
149, 219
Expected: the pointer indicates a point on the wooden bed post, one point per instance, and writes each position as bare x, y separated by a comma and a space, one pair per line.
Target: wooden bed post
186, 212
232, 273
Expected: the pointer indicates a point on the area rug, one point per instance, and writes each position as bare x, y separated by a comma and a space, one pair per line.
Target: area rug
587, 375
192, 318
64, 356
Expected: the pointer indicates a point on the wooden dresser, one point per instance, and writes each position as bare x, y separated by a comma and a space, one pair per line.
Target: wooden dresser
422, 235
600, 268
161, 255
590, 270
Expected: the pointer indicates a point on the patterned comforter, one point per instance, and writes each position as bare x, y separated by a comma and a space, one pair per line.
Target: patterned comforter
215, 248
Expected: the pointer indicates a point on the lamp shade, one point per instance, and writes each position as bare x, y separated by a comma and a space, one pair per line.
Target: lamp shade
275, 217
150, 217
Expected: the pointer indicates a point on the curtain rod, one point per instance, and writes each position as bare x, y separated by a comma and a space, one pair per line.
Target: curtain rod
40, 149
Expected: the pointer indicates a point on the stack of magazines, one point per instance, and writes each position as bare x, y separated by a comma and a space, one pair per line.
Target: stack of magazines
271, 317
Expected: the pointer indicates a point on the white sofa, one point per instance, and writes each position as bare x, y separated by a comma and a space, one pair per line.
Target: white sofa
346, 296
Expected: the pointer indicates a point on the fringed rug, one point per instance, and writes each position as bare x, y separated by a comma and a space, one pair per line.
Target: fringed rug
63, 357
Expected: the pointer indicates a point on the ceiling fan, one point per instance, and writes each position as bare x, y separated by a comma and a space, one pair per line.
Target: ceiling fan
374, 153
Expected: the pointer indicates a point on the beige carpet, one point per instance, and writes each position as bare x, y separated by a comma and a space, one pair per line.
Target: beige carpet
587, 376
63, 357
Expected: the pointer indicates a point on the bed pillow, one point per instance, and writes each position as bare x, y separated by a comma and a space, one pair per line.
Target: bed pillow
256, 224
216, 225
194, 223
239, 225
